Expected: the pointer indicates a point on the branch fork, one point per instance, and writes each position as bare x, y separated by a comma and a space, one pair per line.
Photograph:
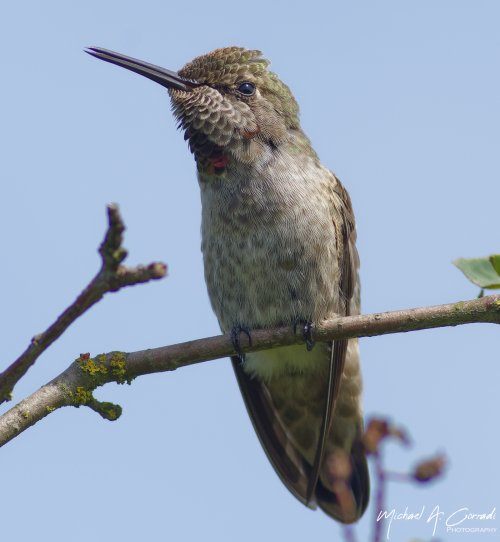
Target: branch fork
111, 277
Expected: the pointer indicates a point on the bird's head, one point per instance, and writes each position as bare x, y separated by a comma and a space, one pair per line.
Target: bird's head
228, 103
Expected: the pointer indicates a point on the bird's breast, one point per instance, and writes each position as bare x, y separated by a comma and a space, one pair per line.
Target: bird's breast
268, 244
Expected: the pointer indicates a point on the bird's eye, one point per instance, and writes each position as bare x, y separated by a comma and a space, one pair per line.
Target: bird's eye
246, 88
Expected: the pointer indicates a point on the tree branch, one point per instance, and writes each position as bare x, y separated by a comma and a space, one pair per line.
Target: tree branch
111, 277
75, 385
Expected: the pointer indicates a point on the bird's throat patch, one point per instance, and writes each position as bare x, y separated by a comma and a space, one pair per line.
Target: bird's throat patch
217, 164
220, 161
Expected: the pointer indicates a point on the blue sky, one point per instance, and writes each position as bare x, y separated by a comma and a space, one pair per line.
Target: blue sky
400, 99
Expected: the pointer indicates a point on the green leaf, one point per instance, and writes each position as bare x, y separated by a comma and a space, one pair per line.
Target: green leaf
495, 262
485, 272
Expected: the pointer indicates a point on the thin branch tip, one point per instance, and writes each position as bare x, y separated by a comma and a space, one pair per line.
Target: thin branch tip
158, 270
110, 278
111, 250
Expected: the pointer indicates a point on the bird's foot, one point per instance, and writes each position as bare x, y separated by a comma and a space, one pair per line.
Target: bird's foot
307, 332
236, 331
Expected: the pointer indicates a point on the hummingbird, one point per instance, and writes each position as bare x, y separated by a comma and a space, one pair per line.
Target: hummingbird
278, 243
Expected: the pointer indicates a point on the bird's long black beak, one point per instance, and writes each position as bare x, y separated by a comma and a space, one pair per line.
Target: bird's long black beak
166, 78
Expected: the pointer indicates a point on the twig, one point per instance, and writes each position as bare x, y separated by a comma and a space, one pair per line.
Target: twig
74, 386
111, 277
379, 495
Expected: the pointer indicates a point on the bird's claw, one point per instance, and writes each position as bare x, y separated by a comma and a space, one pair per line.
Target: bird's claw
307, 332
235, 340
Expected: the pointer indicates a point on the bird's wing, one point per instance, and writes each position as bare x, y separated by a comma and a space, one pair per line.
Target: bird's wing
345, 238
348, 259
